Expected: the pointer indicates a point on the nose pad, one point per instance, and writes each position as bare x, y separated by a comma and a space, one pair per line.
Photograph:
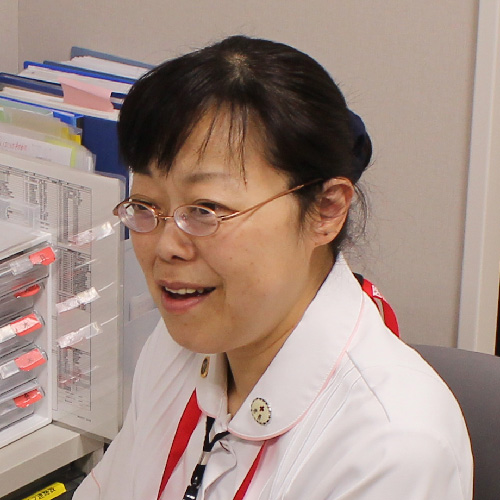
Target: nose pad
174, 243
180, 221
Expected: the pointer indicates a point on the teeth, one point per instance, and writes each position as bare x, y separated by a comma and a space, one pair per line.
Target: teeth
185, 291
181, 291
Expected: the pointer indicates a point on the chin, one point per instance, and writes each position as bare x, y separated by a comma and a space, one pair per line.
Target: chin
190, 339
199, 347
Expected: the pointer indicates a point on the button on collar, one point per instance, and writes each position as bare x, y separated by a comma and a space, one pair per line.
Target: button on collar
261, 411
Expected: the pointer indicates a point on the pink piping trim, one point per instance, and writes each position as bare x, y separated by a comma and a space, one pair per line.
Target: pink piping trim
96, 481
328, 378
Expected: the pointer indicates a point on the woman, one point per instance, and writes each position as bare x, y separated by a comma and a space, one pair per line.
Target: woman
269, 358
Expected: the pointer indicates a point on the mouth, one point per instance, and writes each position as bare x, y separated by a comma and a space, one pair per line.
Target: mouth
187, 293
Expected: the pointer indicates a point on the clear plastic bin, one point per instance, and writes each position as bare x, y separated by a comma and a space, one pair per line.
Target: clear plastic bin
20, 366
19, 331
17, 301
23, 269
19, 402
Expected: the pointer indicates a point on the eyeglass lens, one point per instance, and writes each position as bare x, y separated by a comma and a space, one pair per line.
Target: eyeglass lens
192, 219
196, 220
137, 217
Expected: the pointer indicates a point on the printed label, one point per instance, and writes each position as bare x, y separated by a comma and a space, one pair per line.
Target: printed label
53, 491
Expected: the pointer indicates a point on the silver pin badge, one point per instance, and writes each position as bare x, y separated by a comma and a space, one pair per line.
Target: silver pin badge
204, 367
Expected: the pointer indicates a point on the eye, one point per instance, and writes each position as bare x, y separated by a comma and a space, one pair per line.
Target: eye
215, 207
139, 207
137, 210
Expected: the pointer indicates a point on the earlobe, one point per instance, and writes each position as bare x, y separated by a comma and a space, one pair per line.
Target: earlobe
332, 208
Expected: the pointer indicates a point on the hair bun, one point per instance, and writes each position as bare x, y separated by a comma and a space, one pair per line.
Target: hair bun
362, 145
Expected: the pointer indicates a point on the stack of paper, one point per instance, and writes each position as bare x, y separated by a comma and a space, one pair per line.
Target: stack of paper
32, 132
85, 93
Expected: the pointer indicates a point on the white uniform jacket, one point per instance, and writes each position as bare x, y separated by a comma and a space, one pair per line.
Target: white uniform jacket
355, 414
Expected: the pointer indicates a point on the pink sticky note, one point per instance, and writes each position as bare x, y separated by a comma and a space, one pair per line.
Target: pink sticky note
86, 95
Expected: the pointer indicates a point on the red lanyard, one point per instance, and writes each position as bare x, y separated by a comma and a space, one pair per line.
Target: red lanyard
386, 311
185, 429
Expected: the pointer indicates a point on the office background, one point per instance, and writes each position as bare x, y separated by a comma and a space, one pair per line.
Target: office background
407, 67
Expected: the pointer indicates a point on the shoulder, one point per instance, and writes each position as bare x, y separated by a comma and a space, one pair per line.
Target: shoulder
163, 382
385, 422
401, 382
163, 365
404, 423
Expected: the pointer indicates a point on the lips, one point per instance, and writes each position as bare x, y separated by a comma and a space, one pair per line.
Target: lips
181, 297
186, 293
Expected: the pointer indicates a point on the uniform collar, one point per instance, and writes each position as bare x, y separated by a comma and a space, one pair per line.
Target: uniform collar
299, 371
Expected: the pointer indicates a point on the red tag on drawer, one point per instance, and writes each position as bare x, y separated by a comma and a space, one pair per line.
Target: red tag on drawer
30, 360
26, 325
28, 399
45, 257
28, 292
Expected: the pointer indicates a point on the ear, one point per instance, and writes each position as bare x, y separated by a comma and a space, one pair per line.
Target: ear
332, 207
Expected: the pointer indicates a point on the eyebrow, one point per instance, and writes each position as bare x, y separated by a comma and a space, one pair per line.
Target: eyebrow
199, 177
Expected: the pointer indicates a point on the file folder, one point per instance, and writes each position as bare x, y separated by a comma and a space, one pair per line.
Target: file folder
47, 88
64, 116
99, 130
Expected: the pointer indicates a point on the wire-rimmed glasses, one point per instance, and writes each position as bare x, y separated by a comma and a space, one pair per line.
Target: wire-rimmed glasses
196, 220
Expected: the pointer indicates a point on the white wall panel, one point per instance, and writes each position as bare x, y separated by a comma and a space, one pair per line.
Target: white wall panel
407, 67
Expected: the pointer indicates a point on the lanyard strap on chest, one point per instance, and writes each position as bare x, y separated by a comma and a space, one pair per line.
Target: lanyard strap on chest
185, 429
385, 309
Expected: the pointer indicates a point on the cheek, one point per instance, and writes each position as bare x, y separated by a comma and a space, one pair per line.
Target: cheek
256, 265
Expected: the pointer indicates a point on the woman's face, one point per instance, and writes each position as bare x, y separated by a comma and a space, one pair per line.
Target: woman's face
254, 277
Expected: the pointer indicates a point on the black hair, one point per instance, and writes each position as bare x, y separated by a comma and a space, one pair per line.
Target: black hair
287, 97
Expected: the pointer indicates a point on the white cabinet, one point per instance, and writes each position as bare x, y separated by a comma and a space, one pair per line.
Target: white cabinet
25, 332
80, 308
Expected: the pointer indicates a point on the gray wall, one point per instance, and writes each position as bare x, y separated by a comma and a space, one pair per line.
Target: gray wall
407, 67
8, 36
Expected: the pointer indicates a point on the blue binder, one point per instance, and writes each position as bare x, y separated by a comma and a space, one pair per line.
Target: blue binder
21, 82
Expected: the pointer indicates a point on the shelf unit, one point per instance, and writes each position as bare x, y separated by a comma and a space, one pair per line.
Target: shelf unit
41, 452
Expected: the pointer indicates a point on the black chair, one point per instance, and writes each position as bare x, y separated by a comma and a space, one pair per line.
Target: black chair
474, 379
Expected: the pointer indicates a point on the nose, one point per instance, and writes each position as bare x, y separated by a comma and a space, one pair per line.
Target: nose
174, 244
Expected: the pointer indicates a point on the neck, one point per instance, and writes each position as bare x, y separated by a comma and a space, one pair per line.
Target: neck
247, 364
244, 371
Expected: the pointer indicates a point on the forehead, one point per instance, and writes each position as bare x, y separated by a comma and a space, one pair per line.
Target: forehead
221, 144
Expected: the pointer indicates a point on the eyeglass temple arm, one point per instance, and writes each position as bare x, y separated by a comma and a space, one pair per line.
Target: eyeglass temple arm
279, 195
